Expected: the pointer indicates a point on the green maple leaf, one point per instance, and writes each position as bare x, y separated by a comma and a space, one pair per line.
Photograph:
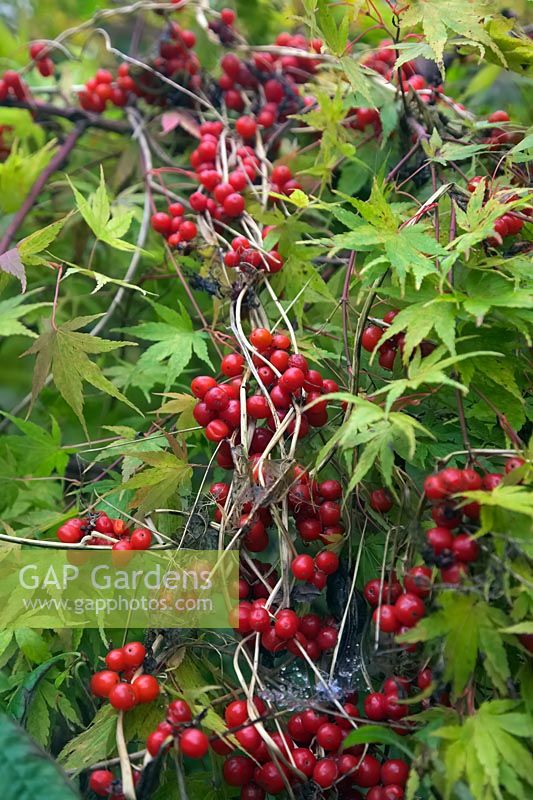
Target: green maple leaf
160, 483
467, 627
408, 250
454, 18
38, 452
65, 353
485, 750
96, 211
175, 343
10, 312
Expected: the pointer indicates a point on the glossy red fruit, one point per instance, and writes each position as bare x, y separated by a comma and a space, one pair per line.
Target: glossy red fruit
122, 697
471, 481
238, 770
134, 654
115, 660
387, 618
394, 770
498, 116
217, 430
232, 365
100, 782
102, 682
257, 407
236, 713
439, 539
161, 222
330, 490
325, 772
303, 567
417, 580
141, 539
368, 772
387, 356
246, 127
286, 624
454, 574
261, 338
329, 513
381, 500
371, 337
193, 743
465, 548
491, 481
70, 532
146, 688
103, 524
327, 562
155, 741
305, 760
312, 721
393, 792
409, 609
434, 488
375, 706
329, 736
292, 380
178, 712
327, 638
201, 385
452, 479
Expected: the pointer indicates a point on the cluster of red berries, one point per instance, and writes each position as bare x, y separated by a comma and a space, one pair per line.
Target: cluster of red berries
311, 744
103, 88
12, 85
284, 630
179, 726
176, 56
372, 335
245, 256
497, 135
286, 377
452, 553
508, 224
276, 78
125, 694
254, 526
173, 226
39, 54
257, 581
397, 609
102, 531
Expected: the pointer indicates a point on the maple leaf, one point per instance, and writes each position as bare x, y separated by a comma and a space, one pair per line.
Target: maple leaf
175, 342
159, 483
468, 626
10, 312
440, 21
64, 352
485, 750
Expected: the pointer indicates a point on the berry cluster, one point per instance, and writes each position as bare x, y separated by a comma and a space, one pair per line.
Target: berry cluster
178, 726
397, 609
288, 384
284, 630
453, 553
508, 224
274, 78
39, 54
372, 335
125, 694
101, 530
103, 88
173, 226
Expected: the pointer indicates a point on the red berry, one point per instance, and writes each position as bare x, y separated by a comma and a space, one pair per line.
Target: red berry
233, 205
513, 463
303, 567
134, 654
325, 772
217, 430
409, 609
471, 481
261, 339
368, 772
327, 562
155, 741
329, 736
228, 16
292, 380
375, 706
179, 711
141, 539
146, 688
257, 407
236, 713
122, 697
417, 581
439, 539
381, 500
286, 624
452, 479
201, 385
498, 116
71, 532
115, 660
491, 481
424, 679
101, 781
446, 516
370, 337
246, 127
161, 222
434, 488
394, 770
387, 618
327, 638
312, 721
102, 682
330, 490
329, 513
193, 743
304, 760
465, 548
454, 574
